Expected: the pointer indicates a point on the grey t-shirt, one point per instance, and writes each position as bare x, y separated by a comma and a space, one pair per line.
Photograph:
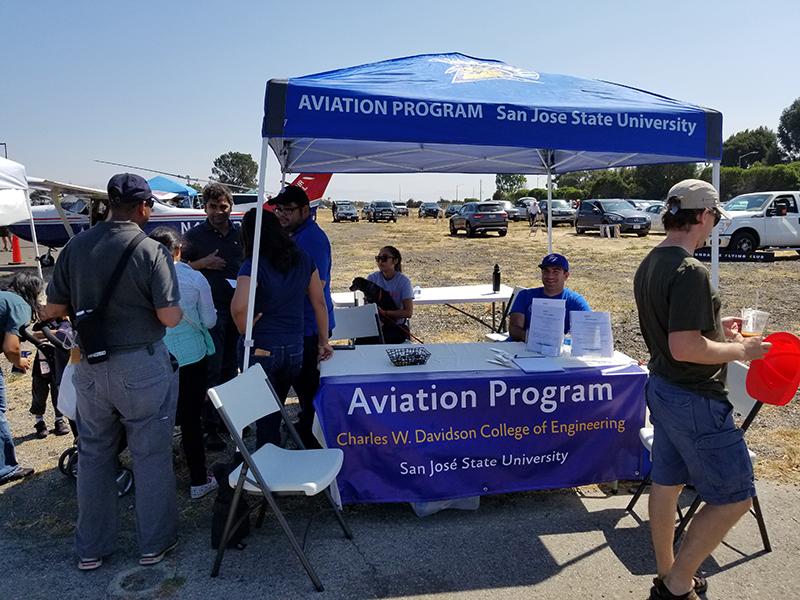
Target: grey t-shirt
148, 282
399, 288
673, 293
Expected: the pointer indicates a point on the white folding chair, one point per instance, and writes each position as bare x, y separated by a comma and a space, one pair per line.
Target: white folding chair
502, 335
270, 469
745, 407
357, 322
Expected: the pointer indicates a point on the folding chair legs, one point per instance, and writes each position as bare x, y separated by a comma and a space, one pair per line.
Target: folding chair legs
755, 511
762, 527
292, 539
261, 512
226, 532
637, 494
339, 517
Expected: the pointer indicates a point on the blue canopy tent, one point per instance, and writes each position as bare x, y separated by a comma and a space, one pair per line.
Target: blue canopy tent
162, 184
451, 113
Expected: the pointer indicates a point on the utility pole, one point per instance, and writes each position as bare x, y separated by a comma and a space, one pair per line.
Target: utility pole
480, 193
456, 192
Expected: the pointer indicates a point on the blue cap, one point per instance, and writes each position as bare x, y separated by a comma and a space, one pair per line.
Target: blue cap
128, 188
555, 260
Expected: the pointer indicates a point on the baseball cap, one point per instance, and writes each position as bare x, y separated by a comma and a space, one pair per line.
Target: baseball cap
555, 260
291, 194
128, 188
696, 194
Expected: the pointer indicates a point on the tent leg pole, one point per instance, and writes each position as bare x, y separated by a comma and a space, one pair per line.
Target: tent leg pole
33, 236
251, 297
549, 210
715, 177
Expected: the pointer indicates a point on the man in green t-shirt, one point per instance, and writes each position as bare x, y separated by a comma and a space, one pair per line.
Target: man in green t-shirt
695, 440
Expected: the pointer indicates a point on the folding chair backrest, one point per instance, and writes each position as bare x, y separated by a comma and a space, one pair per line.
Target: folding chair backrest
356, 322
245, 398
742, 402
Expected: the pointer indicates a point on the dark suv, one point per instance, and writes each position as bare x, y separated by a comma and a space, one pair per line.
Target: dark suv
429, 209
383, 210
594, 213
479, 217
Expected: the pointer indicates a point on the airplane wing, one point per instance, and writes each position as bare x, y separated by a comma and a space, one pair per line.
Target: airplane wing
36, 183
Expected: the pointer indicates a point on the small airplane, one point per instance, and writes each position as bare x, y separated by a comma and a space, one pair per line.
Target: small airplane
58, 222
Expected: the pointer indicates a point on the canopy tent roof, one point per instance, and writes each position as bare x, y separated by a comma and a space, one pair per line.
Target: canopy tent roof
13, 192
162, 184
440, 113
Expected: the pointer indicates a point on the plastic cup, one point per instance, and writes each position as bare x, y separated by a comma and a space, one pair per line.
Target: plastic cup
754, 322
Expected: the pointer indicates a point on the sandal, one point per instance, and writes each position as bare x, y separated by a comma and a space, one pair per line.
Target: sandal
700, 583
153, 558
89, 564
659, 591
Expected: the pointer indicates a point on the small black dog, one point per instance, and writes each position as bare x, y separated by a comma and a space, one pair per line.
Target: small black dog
373, 293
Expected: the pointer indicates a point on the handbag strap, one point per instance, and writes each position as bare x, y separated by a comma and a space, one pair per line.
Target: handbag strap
117, 273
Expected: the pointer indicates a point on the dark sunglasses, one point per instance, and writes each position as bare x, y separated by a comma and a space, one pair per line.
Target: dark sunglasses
150, 202
383, 257
717, 215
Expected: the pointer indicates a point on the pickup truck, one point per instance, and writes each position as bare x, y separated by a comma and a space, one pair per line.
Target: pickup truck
761, 220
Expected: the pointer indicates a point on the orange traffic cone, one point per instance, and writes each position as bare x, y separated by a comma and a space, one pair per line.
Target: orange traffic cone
16, 252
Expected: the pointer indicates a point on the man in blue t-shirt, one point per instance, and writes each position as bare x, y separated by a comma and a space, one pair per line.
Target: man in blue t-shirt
555, 272
294, 213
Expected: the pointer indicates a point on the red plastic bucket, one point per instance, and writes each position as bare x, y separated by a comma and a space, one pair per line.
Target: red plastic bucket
775, 378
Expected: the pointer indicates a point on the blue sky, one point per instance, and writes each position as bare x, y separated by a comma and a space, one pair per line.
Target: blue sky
172, 85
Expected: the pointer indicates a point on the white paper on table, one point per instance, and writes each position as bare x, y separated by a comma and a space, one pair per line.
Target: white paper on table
232, 283
591, 333
546, 331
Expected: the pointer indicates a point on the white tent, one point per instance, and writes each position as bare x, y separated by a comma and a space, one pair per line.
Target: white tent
15, 204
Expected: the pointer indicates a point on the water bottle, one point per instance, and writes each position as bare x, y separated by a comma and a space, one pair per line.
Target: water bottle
496, 279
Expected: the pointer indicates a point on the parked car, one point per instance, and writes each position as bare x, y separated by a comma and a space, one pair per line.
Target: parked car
452, 209
429, 209
761, 220
511, 210
562, 211
522, 205
382, 210
638, 204
594, 213
655, 211
401, 208
344, 211
479, 217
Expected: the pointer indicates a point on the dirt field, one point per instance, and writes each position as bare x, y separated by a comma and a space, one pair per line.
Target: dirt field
601, 270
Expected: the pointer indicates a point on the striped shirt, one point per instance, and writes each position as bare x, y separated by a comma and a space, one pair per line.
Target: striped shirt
186, 341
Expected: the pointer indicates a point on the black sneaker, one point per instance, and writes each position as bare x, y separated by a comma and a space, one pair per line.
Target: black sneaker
61, 428
20, 473
41, 429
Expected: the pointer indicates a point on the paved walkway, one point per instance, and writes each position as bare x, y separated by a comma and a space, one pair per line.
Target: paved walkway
563, 544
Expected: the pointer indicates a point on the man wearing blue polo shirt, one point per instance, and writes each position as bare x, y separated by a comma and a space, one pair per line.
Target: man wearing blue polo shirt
294, 213
555, 272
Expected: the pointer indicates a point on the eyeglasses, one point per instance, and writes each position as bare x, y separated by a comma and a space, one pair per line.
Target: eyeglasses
149, 202
286, 209
717, 215
383, 257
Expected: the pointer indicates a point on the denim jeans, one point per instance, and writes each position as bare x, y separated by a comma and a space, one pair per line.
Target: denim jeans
8, 458
282, 367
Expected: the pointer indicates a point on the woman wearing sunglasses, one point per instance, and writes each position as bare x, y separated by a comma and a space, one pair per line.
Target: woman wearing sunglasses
389, 276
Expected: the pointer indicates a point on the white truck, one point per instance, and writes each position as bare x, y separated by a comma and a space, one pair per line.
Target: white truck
761, 220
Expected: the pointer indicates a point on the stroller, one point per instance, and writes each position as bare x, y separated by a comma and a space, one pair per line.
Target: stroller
61, 342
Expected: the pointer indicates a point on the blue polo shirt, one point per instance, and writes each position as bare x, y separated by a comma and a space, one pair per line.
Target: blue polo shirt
310, 237
524, 299
279, 299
